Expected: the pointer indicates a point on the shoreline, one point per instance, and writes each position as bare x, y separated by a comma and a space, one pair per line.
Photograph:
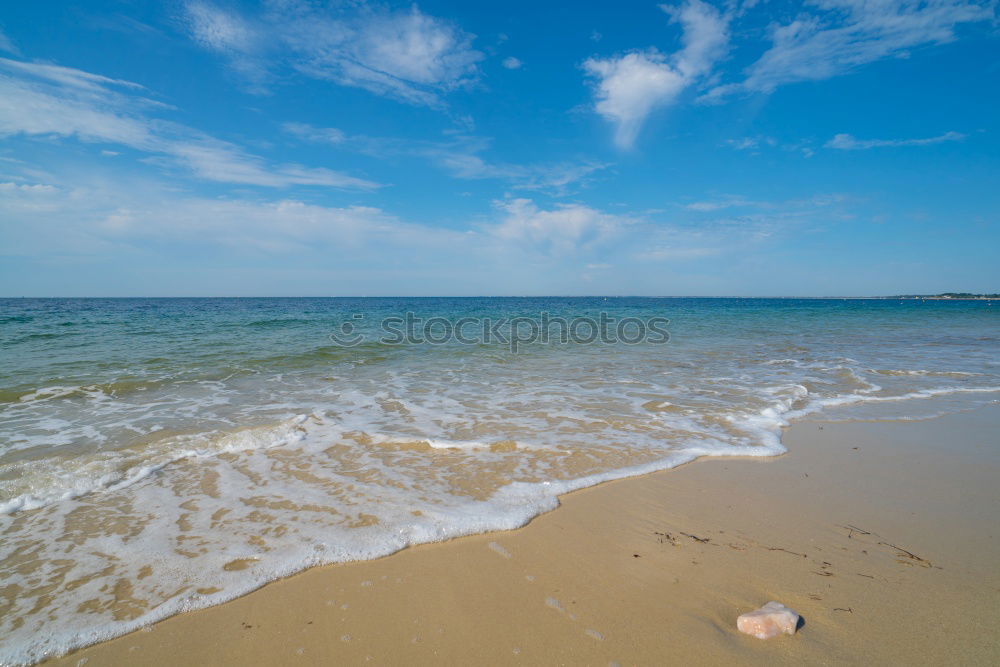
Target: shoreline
641, 568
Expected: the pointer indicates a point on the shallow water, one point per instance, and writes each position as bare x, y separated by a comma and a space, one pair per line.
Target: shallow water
158, 455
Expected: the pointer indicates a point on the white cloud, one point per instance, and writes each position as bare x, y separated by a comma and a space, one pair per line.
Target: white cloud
558, 177
705, 36
847, 142
734, 201
90, 214
416, 48
255, 235
560, 230
29, 188
630, 86
243, 42
76, 79
224, 162
404, 54
718, 205
839, 35
661, 253
220, 30
750, 143
317, 135
279, 226
511, 63
803, 146
105, 210
48, 100
705, 229
75, 106
461, 155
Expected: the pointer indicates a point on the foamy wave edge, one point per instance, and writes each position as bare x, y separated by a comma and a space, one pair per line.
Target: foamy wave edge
275, 436
518, 503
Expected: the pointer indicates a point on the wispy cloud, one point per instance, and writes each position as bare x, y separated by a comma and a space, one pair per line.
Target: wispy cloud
459, 154
280, 226
837, 36
678, 241
82, 214
317, 135
462, 158
738, 201
713, 233
847, 142
720, 204
403, 54
580, 230
6, 44
49, 100
82, 217
511, 62
221, 30
629, 87
750, 143
66, 76
665, 253
31, 188
761, 143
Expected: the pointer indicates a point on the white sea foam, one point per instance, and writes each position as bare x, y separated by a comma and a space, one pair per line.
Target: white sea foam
849, 399
55, 480
924, 373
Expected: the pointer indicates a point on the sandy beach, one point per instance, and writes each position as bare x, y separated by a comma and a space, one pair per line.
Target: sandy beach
882, 535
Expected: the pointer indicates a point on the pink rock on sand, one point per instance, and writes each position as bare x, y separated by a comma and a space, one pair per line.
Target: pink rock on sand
769, 621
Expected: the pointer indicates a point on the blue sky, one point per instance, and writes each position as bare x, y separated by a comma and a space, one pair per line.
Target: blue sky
294, 147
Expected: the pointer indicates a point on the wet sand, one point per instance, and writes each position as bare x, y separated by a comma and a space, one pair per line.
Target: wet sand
884, 536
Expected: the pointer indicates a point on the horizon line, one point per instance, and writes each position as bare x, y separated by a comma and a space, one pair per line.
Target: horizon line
524, 296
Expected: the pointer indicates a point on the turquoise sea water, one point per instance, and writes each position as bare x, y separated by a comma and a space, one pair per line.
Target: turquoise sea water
158, 455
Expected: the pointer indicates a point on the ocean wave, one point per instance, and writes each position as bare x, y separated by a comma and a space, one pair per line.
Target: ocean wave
924, 373
38, 484
92, 391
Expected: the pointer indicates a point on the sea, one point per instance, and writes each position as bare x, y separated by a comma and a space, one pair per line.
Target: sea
164, 455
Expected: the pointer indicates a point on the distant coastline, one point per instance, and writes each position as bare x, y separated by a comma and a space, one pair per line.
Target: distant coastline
947, 296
